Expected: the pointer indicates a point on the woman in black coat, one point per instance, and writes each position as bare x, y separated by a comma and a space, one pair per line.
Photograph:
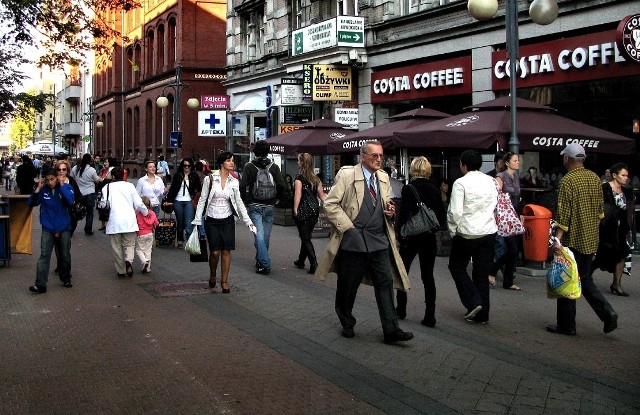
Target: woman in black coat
424, 245
184, 187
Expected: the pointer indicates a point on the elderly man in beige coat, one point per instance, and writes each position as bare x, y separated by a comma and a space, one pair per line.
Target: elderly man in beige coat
363, 242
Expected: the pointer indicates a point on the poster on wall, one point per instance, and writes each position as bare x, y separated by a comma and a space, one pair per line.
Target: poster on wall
331, 83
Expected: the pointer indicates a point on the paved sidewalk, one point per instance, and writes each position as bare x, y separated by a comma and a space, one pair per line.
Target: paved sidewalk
164, 343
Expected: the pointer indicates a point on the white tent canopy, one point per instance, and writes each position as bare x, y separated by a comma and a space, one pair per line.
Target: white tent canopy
43, 148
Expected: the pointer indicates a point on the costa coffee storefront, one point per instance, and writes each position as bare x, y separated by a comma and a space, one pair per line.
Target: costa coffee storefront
587, 78
443, 85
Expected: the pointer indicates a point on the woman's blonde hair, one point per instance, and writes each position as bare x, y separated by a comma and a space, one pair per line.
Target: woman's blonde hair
420, 168
60, 162
306, 168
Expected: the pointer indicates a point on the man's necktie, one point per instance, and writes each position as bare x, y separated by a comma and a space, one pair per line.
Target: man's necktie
372, 189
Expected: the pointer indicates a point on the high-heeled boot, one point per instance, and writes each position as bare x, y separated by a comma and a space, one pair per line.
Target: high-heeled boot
429, 319
401, 309
313, 262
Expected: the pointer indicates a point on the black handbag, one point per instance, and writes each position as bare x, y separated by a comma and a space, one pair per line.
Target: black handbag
203, 256
424, 221
308, 206
78, 211
104, 212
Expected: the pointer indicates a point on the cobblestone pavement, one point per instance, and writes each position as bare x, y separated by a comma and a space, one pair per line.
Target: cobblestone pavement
164, 343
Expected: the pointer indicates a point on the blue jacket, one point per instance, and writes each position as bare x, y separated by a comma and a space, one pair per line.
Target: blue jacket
54, 213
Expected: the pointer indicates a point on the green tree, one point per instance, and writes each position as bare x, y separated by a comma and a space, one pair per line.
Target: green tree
22, 128
62, 30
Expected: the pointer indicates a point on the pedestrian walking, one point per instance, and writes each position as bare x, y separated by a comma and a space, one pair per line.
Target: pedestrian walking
87, 178
122, 225
144, 240
579, 211
54, 199
307, 190
25, 176
261, 186
151, 185
472, 226
424, 245
219, 202
184, 187
363, 242
615, 228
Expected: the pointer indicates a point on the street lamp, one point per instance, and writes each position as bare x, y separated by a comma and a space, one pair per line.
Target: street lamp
163, 102
90, 116
542, 12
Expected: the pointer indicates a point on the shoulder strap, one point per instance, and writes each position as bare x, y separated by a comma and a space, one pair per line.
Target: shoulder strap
206, 203
415, 193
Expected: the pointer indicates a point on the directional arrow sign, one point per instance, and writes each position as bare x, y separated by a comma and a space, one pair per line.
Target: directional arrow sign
350, 37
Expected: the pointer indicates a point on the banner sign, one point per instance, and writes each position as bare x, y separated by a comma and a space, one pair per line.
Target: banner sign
214, 102
212, 123
296, 114
574, 59
427, 80
331, 83
347, 116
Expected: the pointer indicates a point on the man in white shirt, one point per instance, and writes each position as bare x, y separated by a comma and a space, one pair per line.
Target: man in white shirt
473, 227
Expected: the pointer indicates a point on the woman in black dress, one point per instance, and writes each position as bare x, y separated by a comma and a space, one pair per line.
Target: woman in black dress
615, 227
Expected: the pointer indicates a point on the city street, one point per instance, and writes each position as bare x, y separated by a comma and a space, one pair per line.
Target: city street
165, 343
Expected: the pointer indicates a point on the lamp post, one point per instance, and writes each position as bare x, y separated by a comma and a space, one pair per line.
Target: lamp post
542, 12
163, 102
90, 116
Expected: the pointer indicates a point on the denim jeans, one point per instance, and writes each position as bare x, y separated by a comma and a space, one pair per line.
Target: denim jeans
474, 290
90, 202
262, 217
184, 216
47, 241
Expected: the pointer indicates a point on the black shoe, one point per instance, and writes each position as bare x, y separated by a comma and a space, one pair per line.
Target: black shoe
552, 328
89, 233
398, 336
263, 271
348, 332
312, 269
121, 275
477, 320
428, 321
129, 269
67, 284
299, 264
38, 289
145, 269
401, 312
471, 313
612, 323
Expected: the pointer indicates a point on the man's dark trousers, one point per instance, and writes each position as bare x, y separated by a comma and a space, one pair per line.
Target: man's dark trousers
473, 291
351, 268
566, 314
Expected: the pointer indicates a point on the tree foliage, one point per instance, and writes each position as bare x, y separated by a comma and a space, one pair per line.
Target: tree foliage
22, 128
60, 30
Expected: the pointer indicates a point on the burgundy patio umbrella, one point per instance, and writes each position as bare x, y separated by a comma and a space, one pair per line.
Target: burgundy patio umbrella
539, 129
385, 132
312, 138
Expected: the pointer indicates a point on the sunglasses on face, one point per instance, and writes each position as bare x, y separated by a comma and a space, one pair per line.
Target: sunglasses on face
61, 169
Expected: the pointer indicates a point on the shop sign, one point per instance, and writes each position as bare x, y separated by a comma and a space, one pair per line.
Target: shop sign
291, 94
628, 37
212, 76
331, 83
298, 114
338, 31
214, 102
307, 81
575, 59
449, 77
212, 123
347, 116
239, 126
287, 128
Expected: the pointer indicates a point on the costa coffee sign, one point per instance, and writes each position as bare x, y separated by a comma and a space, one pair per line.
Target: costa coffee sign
450, 77
580, 58
628, 37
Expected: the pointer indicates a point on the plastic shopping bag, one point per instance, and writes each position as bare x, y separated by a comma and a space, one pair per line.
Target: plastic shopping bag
193, 243
563, 280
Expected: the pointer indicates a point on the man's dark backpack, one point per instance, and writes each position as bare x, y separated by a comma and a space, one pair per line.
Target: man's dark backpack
265, 187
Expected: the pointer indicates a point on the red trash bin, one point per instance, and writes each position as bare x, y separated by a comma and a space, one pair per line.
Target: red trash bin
536, 232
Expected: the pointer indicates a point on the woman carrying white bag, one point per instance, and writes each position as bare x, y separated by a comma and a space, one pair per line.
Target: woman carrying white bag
219, 202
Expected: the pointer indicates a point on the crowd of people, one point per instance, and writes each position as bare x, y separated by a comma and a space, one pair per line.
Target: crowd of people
593, 219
